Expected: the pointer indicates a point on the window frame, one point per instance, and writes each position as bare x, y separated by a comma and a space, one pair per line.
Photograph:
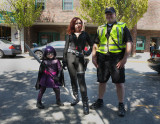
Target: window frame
63, 1
41, 2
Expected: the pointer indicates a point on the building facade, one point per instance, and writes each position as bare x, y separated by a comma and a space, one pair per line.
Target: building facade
7, 32
148, 28
54, 20
56, 15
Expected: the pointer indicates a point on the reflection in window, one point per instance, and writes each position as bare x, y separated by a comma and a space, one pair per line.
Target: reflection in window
139, 43
39, 3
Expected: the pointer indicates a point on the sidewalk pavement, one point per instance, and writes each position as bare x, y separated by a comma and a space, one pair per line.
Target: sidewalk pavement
18, 97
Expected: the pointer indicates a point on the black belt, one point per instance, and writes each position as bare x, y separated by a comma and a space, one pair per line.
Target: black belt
74, 52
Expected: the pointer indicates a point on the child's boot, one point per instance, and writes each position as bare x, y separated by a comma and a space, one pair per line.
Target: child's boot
40, 105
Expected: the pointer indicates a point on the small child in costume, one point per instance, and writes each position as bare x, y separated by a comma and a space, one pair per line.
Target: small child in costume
49, 76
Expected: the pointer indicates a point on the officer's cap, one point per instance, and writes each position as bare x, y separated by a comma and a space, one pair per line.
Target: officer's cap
110, 10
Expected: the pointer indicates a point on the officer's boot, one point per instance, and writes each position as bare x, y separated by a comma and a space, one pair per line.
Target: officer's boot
76, 100
85, 105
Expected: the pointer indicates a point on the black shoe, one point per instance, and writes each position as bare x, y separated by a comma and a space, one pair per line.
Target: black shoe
59, 103
74, 102
97, 104
86, 109
40, 105
121, 110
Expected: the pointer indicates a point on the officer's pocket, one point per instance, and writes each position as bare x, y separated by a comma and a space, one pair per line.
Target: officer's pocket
101, 57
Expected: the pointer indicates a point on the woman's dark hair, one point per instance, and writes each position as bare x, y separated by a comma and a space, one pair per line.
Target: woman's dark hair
71, 27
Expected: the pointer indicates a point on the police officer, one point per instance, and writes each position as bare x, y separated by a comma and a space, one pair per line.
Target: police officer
111, 48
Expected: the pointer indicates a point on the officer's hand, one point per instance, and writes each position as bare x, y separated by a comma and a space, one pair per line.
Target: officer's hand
121, 63
94, 61
56, 78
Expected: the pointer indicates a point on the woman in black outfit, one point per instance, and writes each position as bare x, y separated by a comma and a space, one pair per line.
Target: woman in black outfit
74, 59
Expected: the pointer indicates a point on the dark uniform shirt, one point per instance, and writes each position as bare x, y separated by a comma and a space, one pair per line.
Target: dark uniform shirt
126, 36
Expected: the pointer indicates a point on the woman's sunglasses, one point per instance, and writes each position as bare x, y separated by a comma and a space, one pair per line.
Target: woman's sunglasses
78, 23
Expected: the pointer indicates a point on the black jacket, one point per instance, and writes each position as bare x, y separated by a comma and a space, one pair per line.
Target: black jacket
78, 44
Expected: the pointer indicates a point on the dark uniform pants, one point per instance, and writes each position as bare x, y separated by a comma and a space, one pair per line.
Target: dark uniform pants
107, 67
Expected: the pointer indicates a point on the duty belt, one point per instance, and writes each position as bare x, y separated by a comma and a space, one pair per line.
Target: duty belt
74, 52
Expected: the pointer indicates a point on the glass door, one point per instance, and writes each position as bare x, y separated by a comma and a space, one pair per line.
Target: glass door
140, 42
47, 37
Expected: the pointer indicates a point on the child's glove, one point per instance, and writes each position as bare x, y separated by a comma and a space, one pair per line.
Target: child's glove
56, 78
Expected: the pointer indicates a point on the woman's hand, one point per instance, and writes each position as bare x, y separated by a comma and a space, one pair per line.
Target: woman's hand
64, 64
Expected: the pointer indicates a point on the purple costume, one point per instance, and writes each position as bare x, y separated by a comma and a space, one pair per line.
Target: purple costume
49, 69
47, 75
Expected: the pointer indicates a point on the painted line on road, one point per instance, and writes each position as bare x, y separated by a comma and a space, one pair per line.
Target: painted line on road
151, 75
137, 61
148, 107
134, 74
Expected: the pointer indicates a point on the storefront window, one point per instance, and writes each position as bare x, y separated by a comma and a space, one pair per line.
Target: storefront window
47, 37
140, 44
5, 33
155, 42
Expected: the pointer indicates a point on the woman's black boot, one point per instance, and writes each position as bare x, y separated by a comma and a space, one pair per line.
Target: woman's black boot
85, 105
76, 100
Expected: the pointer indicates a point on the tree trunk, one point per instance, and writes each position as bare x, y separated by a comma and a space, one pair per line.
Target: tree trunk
27, 37
19, 36
134, 38
20, 39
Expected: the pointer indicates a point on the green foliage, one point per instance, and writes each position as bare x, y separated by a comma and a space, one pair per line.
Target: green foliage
128, 11
23, 13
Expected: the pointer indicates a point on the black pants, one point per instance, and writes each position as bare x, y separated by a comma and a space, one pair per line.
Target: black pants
77, 72
107, 67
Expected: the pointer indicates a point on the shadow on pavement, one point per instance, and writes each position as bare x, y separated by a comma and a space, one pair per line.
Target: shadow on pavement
18, 101
14, 57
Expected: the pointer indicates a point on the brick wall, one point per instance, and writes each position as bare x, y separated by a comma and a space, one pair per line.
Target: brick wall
54, 11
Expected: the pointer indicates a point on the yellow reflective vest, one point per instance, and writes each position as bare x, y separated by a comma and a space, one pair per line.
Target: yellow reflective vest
116, 35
